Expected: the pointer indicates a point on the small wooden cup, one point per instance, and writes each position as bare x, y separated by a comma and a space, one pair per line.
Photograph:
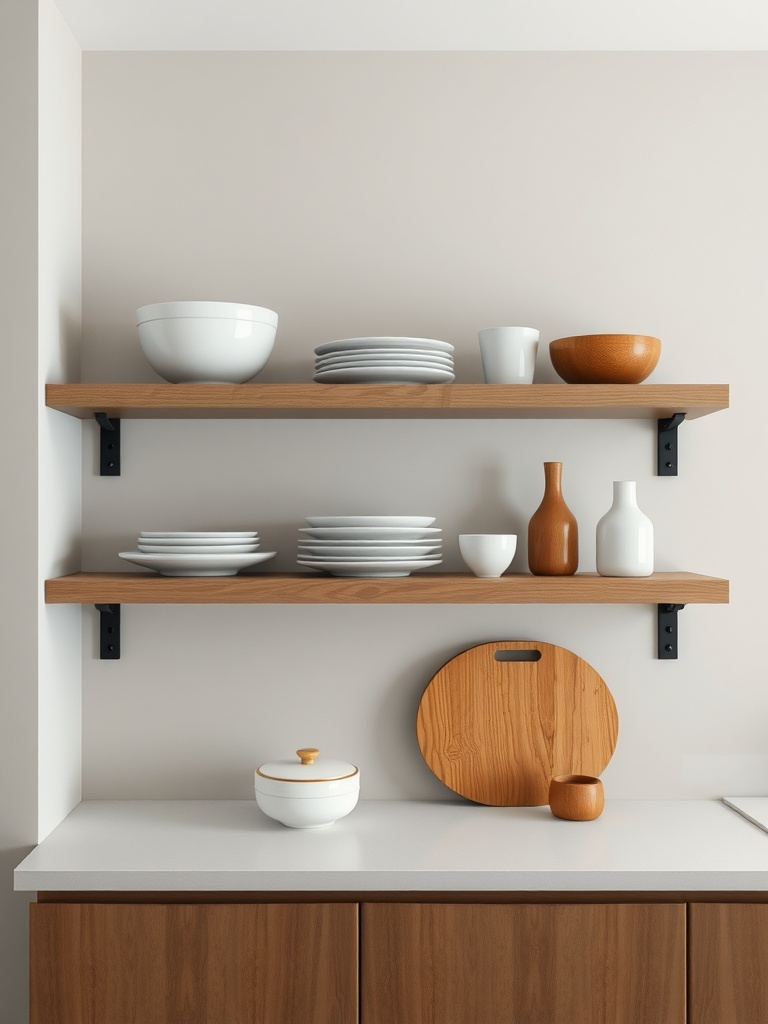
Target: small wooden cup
576, 797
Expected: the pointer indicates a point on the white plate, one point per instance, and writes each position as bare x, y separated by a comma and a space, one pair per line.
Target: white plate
385, 375
370, 567
339, 543
371, 532
374, 364
408, 343
414, 359
198, 549
387, 353
370, 520
307, 550
196, 544
360, 560
199, 536
196, 565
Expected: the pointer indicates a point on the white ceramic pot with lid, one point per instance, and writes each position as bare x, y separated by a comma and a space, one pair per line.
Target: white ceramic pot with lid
309, 793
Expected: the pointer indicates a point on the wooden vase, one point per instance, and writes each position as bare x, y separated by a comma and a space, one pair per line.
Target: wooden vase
553, 534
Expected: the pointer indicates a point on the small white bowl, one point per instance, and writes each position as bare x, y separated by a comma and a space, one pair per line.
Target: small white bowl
488, 554
310, 793
206, 342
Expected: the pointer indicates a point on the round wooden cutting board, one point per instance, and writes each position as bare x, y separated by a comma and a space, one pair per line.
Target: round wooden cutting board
496, 730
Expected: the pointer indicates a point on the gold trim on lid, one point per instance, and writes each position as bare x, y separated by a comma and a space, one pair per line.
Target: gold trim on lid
305, 782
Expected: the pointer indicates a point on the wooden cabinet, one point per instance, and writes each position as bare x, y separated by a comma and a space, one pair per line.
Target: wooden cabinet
523, 964
728, 963
150, 960
130, 963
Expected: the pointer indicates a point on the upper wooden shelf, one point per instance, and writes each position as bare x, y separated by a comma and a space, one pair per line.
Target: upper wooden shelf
419, 588
534, 401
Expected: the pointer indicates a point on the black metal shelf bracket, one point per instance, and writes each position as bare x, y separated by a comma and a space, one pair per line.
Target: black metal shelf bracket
667, 630
109, 631
666, 459
109, 444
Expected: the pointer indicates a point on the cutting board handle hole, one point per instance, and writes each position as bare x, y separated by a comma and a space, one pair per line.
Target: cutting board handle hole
517, 655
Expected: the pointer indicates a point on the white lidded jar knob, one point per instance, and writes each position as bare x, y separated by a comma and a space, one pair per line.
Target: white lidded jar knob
625, 535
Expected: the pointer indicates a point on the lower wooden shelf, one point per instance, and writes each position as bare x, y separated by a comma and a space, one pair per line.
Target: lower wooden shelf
419, 588
669, 591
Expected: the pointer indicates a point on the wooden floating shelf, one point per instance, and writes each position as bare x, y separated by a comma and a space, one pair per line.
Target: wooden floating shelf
419, 588
532, 401
667, 404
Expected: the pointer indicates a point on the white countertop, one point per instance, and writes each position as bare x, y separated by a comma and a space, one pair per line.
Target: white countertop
191, 845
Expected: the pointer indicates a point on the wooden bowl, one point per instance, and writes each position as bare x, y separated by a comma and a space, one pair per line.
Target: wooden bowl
576, 797
605, 358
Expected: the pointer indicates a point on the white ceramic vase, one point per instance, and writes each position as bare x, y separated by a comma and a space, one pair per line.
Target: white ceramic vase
624, 535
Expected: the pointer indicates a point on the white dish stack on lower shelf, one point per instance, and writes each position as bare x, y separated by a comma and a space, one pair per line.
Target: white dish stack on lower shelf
384, 361
370, 546
197, 553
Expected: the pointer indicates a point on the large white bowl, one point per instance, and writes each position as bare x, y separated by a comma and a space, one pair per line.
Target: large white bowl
206, 342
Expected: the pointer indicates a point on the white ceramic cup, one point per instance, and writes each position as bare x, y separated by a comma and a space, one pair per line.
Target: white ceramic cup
488, 554
508, 354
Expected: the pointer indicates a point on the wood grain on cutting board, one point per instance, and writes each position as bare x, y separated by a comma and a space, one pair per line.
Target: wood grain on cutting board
496, 731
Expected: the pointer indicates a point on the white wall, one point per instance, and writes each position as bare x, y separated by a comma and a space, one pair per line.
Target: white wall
18, 471
425, 195
40, 277
59, 304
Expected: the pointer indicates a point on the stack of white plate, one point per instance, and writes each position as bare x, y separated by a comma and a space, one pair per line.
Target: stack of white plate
202, 553
370, 545
384, 361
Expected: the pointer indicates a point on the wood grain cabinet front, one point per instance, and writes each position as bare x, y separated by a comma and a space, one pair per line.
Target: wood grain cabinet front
523, 964
96, 963
395, 962
728, 963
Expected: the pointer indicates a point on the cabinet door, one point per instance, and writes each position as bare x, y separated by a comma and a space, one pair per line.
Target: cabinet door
523, 964
193, 964
728, 963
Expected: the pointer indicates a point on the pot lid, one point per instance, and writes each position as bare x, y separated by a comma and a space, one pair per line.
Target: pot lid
309, 768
